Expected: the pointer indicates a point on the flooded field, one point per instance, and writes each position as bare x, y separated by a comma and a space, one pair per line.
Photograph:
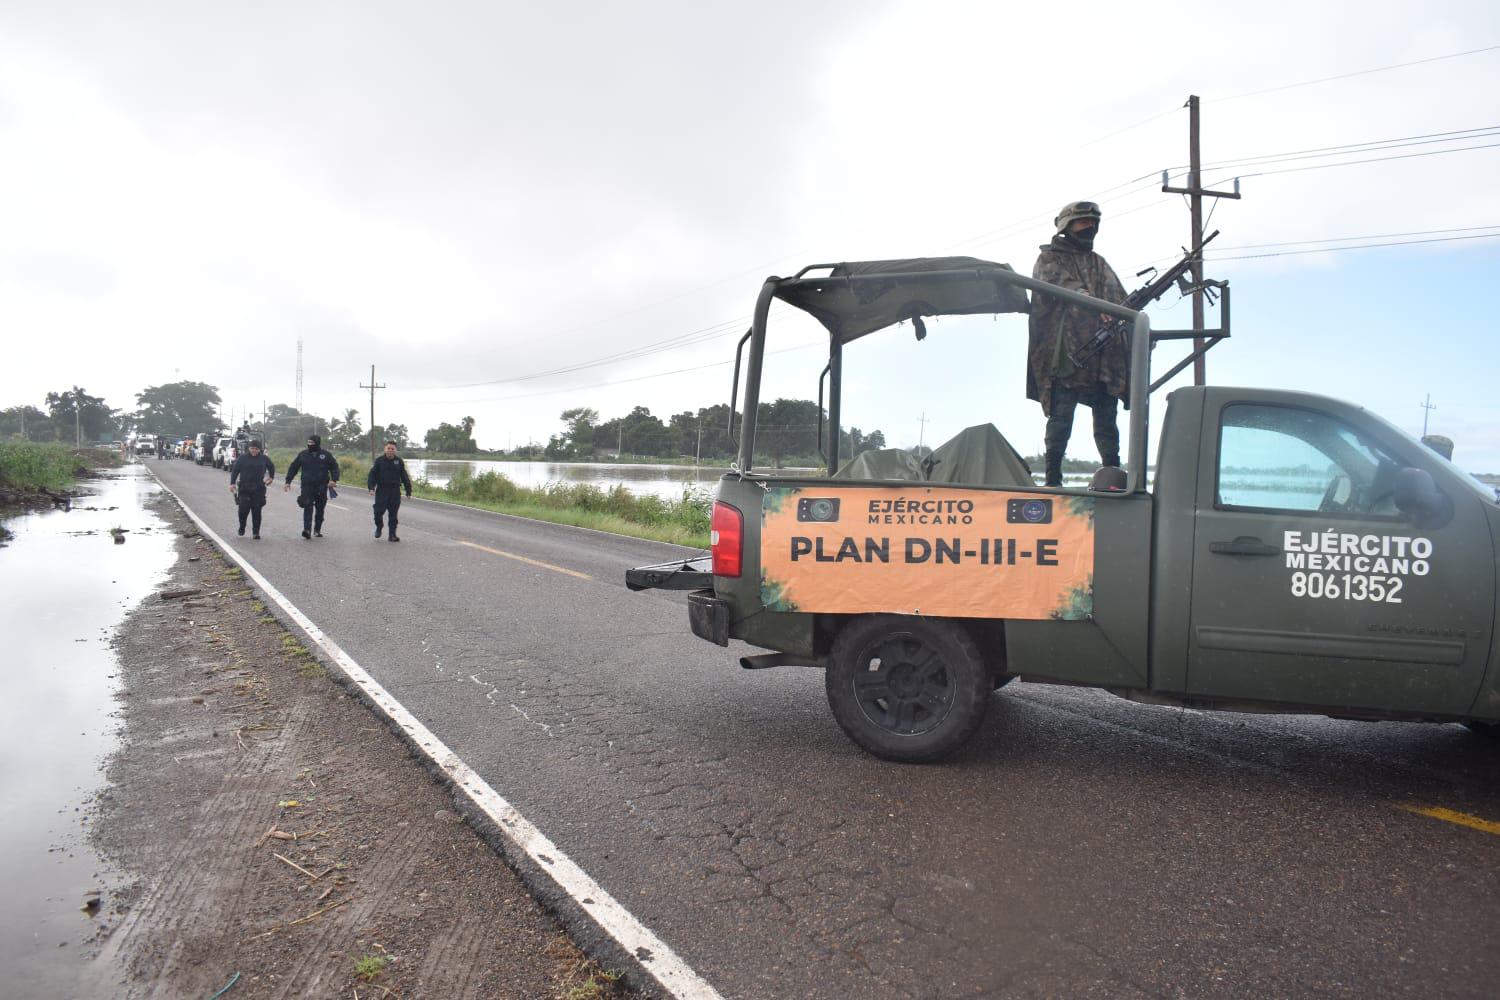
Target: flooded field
65, 585
667, 481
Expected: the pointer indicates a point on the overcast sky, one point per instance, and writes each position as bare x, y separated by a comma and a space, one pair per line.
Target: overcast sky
466, 195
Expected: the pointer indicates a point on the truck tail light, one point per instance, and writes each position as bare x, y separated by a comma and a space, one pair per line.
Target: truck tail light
727, 539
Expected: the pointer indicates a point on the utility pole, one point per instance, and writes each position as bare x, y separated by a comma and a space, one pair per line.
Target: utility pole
1196, 192
1427, 406
698, 454
77, 421
922, 429
372, 387
299, 377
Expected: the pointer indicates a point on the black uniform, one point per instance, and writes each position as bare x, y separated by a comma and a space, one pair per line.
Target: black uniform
387, 478
318, 469
251, 471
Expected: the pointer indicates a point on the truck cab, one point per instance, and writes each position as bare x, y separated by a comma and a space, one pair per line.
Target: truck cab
1286, 552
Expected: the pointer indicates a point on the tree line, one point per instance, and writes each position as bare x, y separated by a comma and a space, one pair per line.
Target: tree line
178, 410
786, 429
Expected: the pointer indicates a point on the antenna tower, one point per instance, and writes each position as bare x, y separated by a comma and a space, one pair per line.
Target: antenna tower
299, 375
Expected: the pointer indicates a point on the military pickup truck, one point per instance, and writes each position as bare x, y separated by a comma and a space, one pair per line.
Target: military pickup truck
1290, 553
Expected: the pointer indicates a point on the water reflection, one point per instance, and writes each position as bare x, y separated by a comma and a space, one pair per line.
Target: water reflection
666, 481
64, 587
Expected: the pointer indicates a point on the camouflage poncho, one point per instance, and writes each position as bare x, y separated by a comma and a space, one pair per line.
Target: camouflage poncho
1057, 329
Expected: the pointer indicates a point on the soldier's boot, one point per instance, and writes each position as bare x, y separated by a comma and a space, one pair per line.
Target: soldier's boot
1054, 470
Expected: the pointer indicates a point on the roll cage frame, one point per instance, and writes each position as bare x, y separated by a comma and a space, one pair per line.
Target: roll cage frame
1142, 340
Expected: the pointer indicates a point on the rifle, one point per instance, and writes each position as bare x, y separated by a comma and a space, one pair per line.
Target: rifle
1147, 293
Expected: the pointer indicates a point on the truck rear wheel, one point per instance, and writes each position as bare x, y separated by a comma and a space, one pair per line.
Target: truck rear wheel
907, 689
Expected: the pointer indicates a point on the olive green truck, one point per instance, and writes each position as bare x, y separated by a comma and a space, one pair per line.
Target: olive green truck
1284, 552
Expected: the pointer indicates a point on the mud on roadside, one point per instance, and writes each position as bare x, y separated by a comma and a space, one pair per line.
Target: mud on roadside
272, 828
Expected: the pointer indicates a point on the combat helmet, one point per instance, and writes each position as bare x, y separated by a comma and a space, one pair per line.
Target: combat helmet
1075, 210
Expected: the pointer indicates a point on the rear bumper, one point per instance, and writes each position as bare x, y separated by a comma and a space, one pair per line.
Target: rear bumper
708, 616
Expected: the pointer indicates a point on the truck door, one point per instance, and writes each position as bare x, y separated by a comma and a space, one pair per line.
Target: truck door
1309, 586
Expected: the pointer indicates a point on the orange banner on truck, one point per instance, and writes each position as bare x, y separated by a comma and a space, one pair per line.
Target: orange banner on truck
940, 551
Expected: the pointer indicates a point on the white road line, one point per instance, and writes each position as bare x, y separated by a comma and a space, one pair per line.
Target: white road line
675, 976
523, 559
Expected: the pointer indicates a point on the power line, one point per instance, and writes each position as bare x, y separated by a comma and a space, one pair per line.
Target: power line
1357, 147
722, 329
1129, 128
1362, 72
1361, 246
1332, 239
596, 385
684, 339
700, 335
1352, 163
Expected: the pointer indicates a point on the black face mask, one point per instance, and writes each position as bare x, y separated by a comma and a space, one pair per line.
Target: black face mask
312, 447
1084, 238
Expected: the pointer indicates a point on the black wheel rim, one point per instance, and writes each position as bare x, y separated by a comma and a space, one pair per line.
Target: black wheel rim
902, 685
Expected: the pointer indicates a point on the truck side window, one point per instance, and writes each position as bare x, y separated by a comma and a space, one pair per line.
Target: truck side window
1289, 459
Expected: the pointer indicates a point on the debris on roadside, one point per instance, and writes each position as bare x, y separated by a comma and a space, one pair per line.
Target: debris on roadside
373, 850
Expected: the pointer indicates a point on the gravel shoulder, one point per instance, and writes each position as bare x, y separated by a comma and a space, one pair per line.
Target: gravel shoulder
270, 828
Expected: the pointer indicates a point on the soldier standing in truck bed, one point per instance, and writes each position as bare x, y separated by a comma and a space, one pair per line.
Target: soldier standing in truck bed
1058, 329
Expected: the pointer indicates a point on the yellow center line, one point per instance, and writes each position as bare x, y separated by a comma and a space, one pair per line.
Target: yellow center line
529, 562
1454, 816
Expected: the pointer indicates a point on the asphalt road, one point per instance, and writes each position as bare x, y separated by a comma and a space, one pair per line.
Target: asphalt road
1081, 846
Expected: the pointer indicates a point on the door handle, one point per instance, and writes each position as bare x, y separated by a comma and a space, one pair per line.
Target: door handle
1244, 545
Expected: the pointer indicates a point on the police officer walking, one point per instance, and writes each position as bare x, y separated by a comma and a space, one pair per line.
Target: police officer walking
386, 479
254, 473
318, 469
1059, 329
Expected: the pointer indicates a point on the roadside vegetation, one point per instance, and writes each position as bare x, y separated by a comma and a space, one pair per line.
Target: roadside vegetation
27, 466
684, 521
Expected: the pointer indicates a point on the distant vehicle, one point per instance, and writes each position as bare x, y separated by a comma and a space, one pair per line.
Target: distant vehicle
145, 445
203, 449
225, 452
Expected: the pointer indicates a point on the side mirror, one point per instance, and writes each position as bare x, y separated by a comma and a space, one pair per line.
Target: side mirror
1418, 496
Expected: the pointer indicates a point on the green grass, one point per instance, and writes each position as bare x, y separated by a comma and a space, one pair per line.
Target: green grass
370, 967
684, 521
26, 465
594, 987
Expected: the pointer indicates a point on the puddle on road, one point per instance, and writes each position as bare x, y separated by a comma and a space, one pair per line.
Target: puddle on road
65, 586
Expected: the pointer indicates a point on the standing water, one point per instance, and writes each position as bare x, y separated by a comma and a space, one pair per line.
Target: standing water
665, 481
65, 586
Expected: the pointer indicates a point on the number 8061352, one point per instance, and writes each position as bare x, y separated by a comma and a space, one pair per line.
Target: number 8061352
1347, 587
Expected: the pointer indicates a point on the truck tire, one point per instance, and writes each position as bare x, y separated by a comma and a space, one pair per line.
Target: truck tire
907, 689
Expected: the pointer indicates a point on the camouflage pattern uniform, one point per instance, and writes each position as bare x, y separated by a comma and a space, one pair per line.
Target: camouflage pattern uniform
1056, 330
